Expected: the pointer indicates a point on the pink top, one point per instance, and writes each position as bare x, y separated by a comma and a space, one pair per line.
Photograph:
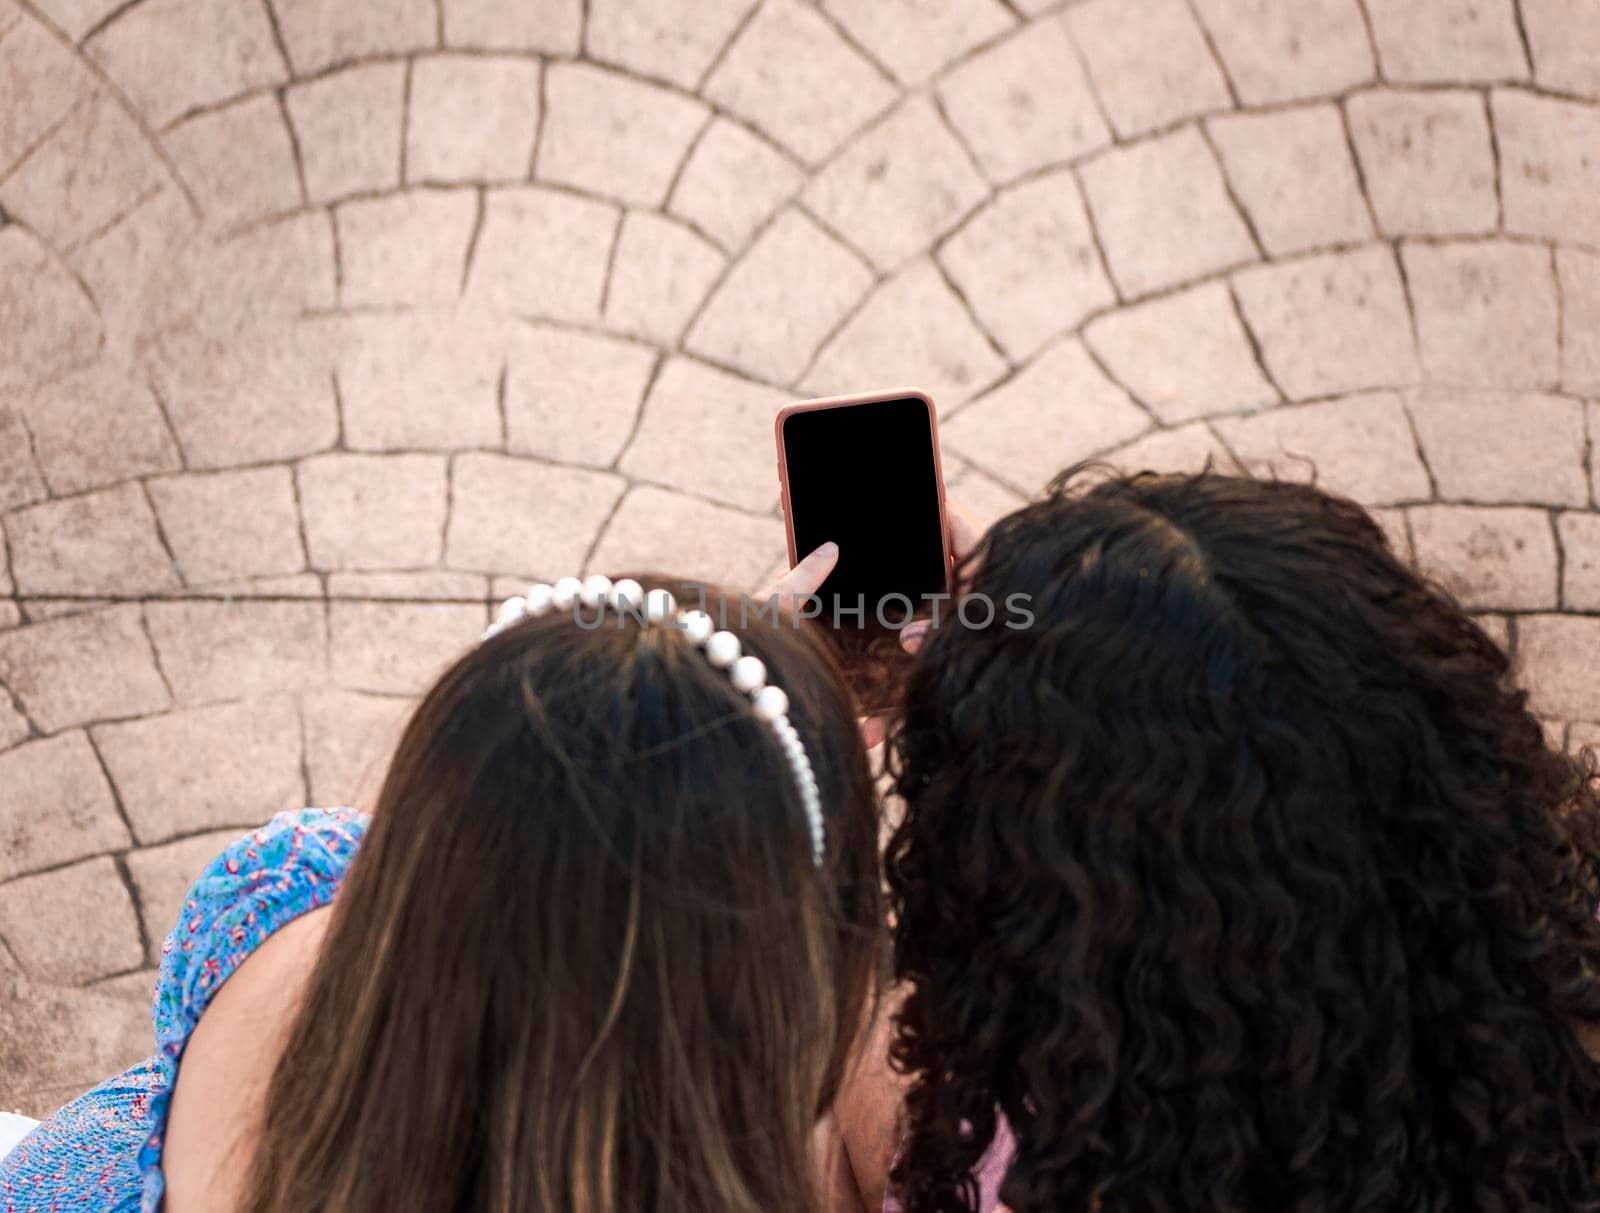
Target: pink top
990, 1171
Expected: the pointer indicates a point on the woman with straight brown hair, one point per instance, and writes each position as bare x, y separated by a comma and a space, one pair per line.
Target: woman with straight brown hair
603, 945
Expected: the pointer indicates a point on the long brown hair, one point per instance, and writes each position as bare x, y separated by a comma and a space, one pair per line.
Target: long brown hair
584, 961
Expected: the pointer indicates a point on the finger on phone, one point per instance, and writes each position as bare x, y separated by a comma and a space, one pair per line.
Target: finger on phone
914, 634
806, 577
965, 533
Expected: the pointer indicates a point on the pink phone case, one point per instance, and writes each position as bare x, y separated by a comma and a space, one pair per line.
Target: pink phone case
845, 402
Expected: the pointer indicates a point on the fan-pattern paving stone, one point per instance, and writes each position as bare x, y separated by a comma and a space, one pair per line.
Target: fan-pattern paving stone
1025, 103
1332, 323
1149, 61
256, 771
1503, 558
149, 52
609, 134
55, 806
1163, 213
1028, 265
1293, 173
373, 511
899, 187
98, 938
1360, 446
1085, 414
788, 292
449, 294
404, 250
1431, 41
1486, 313
82, 668
471, 118
162, 876
796, 79
1495, 447
1183, 356
1428, 161
555, 378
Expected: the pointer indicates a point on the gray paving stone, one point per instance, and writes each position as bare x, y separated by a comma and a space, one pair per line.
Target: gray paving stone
55, 805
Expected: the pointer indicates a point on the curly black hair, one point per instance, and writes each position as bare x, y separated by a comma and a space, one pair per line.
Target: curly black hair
1242, 879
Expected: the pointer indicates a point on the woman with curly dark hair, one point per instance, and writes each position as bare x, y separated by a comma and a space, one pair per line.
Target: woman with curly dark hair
1242, 879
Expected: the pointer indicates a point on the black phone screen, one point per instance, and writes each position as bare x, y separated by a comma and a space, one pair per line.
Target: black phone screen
865, 477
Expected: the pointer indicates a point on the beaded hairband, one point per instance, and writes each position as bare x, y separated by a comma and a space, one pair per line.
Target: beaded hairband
747, 673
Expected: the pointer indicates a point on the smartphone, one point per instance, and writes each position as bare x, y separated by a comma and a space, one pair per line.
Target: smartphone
863, 471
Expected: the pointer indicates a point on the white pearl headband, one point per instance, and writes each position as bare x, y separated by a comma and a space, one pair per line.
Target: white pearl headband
747, 673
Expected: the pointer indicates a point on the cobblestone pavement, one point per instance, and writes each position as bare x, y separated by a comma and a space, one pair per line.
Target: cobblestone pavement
324, 321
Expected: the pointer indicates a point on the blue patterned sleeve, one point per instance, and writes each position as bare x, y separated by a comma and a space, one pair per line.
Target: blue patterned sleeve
267, 879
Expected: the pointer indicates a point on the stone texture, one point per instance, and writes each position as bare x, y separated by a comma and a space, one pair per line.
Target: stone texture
709, 433
900, 186
1398, 532
543, 253
1360, 447
348, 127
1024, 103
149, 50
1490, 559
823, 91
1580, 544
1189, 448
50, 325
509, 516
609, 134
1503, 448
1565, 40
914, 39
785, 295
660, 274
282, 267
1549, 173
708, 543
57, 1042
675, 40
213, 651
81, 668
1578, 276
573, 397
1183, 356
984, 499
20, 481
732, 182
400, 648
235, 765
247, 396
239, 161
41, 82
428, 584
1447, 41
95, 167
1027, 264
349, 738
472, 118
14, 727
100, 543
1496, 628
373, 511
552, 27
912, 329
1556, 659
1293, 173
1276, 52
405, 250
1163, 213
322, 33
421, 382
1059, 410
1427, 160
230, 524
55, 806
1487, 314
1331, 324
91, 430
162, 877
99, 937
1150, 62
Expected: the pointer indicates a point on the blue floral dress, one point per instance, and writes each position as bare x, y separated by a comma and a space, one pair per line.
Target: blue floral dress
103, 1150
